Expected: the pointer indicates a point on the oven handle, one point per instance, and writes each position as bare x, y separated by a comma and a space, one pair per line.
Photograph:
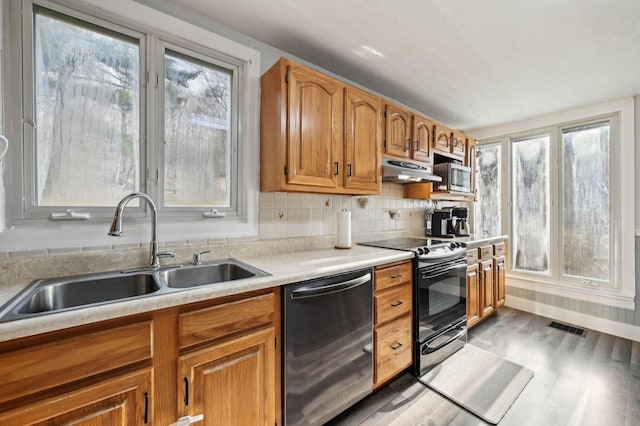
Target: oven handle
445, 256
426, 349
444, 271
305, 292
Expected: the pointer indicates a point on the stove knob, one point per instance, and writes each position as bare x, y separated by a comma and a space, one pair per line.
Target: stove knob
420, 251
425, 250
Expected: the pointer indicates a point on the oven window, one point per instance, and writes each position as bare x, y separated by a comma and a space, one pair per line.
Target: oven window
442, 301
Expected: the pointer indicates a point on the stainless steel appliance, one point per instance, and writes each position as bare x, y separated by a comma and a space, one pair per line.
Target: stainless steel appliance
440, 297
328, 340
455, 178
459, 216
397, 171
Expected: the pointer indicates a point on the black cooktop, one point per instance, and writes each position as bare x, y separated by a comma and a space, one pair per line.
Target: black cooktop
405, 244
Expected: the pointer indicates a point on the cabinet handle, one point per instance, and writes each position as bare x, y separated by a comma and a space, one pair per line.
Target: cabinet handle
408, 144
396, 346
337, 168
396, 276
186, 391
350, 170
398, 303
146, 408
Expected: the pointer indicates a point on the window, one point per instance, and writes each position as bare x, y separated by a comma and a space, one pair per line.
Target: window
530, 214
113, 104
586, 203
87, 109
487, 219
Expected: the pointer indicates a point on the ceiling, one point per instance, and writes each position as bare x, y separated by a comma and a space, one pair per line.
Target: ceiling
466, 63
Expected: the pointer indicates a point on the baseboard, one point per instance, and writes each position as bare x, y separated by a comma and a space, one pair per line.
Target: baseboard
615, 328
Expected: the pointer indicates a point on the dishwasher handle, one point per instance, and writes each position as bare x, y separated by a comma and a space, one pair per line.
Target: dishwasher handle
305, 292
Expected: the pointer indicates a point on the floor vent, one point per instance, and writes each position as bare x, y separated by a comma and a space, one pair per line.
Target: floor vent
569, 329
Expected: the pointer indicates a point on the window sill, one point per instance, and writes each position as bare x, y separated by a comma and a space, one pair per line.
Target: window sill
604, 296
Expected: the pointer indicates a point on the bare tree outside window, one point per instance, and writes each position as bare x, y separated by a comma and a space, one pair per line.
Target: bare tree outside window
87, 114
197, 133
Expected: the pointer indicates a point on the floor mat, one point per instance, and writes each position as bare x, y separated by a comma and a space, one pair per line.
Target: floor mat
479, 381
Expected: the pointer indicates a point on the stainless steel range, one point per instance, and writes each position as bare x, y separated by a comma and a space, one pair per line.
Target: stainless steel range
440, 297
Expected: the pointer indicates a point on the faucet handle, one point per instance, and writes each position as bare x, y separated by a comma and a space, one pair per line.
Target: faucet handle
197, 255
164, 254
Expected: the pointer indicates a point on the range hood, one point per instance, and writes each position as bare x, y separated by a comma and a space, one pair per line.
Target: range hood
397, 171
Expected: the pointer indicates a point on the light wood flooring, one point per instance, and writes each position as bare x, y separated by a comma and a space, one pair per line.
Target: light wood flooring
578, 381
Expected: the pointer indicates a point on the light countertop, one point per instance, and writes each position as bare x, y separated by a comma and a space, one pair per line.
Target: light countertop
284, 268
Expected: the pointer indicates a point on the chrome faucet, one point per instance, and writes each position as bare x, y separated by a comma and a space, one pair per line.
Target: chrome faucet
116, 227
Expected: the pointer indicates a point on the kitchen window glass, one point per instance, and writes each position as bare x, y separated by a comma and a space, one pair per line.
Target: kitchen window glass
586, 242
530, 214
487, 218
197, 132
87, 113
112, 105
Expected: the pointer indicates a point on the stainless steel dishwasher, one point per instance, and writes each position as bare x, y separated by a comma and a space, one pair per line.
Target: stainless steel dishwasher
328, 339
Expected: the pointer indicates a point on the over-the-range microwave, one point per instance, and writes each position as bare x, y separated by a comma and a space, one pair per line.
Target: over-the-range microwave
455, 177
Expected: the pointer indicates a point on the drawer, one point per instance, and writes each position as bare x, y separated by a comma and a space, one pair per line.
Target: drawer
217, 321
472, 256
392, 303
393, 343
485, 252
389, 276
498, 249
40, 367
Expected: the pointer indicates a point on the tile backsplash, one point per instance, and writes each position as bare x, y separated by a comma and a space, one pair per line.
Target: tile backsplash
288, 215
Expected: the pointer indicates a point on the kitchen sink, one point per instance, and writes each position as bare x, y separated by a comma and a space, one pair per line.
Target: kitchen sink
60, 294
57, 296
209, 273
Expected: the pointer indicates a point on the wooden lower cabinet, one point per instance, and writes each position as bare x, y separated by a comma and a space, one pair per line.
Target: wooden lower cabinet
473, 295
486, 282
232, 382
122, 400
392, 327
218, 358
499, 281
486, 288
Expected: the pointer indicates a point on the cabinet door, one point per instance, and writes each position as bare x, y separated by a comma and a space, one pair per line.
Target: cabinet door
123, 400
473, 295
486, 288
363, 136
314, 128
231, 383
442, 139
458, 145
422, 138
397, 131
499, 281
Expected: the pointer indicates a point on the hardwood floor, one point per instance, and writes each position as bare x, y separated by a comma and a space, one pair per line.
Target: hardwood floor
578, 381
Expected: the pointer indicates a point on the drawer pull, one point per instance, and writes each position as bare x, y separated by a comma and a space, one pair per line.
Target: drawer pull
396, 276
396, 346
398, 303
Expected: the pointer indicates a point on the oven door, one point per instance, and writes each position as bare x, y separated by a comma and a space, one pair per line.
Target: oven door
441, 299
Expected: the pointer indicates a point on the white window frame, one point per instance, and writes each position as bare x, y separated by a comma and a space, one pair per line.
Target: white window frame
176, 224
622, 293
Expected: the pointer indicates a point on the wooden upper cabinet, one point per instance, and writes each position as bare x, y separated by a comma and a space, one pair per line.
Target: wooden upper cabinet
363, 138
442, 139
314, 128
470, 161
317, 134
397, 131
458, 145
422, 138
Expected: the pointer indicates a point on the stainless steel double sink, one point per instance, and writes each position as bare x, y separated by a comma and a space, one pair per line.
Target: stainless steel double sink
66, 293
